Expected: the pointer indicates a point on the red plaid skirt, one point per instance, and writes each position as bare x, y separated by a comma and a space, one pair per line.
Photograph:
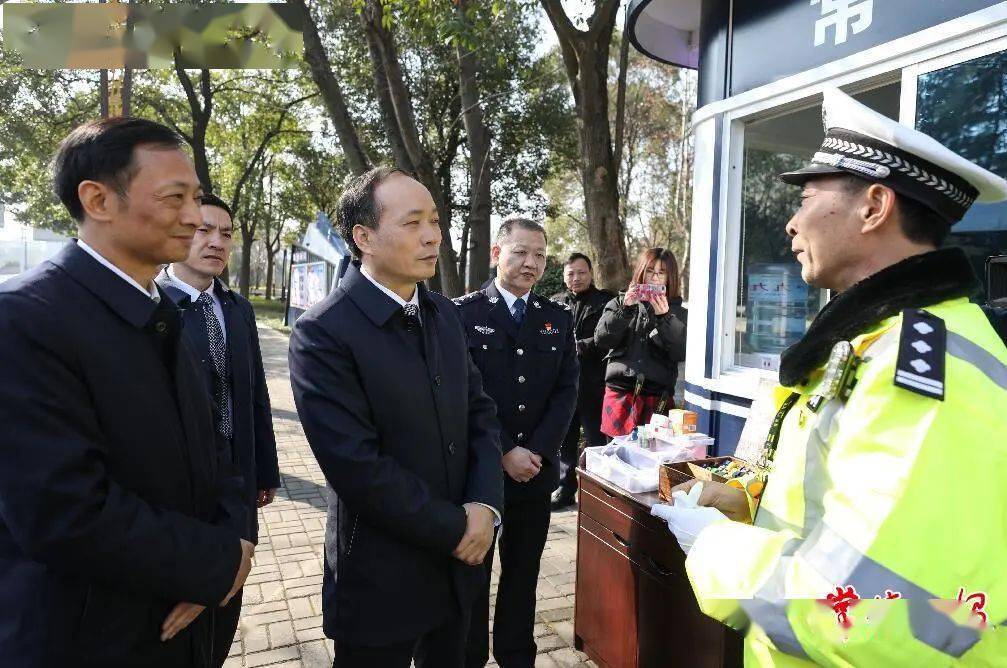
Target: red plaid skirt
621, 412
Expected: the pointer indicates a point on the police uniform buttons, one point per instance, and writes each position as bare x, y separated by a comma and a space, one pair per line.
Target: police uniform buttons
520, 379
437, 381
521, 408
160, 327
520, 351
554, 347
485, 347
520, 436
451, 448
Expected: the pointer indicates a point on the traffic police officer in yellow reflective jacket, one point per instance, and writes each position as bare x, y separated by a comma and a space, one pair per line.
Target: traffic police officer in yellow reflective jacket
886, 458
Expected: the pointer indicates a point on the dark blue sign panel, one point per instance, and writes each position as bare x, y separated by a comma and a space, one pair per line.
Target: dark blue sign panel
776, 38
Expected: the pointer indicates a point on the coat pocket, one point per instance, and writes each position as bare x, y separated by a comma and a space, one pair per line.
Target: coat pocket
115, 618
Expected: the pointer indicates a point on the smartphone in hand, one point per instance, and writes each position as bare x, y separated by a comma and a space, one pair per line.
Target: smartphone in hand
647, 291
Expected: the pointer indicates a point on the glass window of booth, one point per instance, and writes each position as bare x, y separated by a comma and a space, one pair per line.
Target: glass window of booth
964, 107
774, 306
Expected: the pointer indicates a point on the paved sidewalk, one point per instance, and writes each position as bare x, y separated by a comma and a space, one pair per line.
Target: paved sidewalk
281, 622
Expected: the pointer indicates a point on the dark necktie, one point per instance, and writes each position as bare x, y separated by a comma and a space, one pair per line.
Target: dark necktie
518, 312
411, 315
221, 376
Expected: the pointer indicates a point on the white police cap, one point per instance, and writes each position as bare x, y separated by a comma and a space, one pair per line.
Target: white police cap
862, 142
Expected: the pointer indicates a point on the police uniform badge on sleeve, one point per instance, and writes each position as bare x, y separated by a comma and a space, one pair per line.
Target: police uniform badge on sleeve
922, 344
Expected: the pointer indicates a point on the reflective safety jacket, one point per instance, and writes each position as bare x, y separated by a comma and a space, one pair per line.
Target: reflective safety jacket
891, 491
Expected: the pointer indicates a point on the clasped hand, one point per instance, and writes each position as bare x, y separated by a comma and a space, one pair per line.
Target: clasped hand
478, 536
521, 464
185, 613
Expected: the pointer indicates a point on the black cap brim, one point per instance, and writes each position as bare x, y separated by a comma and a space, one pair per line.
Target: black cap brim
811, 171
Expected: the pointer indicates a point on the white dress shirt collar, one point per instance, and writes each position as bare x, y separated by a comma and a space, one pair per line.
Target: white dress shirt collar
193, 294
188, 289
398, 300
150, 291
509, 297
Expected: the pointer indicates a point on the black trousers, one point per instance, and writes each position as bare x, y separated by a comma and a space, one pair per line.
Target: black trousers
521, 541
225, 625
568, 454
443, 647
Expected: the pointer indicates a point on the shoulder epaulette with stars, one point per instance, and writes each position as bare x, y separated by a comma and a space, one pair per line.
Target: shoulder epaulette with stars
464, 299
919, 367
560, 305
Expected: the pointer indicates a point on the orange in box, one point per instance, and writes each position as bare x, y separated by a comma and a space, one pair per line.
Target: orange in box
682, 421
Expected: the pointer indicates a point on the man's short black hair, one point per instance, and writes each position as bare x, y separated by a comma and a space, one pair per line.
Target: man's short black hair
579, 256
508, 225
103, 151
920, 223
358, 206
209, 199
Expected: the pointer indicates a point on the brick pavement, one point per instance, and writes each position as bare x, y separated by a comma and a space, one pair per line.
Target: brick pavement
282, 615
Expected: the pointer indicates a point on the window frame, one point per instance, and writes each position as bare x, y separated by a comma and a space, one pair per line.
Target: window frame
900, 61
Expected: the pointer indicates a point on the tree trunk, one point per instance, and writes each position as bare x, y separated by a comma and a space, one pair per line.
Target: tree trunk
385, 104
269, 274
387, 53
599, 175
248, 224
127, 92
199, 158
620, 93
245, 272
585, 56
200, 113
480, 197
332, 94
103, 93
463, 256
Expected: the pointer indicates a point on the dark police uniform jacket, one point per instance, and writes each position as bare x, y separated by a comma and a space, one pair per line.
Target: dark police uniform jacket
253, 445
405, 435
530, 372
117, 500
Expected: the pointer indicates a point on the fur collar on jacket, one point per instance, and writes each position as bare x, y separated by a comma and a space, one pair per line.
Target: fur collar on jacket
916, 282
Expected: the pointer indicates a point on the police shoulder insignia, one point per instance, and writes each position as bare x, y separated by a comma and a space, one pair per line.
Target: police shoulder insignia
464, 299
922, 344
558, 304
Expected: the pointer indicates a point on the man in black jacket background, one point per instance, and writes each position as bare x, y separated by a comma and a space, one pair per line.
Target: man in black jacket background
220, 325
524, 346
587, 303
120, 512
395, 413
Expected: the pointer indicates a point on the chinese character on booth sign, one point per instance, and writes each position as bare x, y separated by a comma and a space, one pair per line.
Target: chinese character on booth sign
841, 601
977, 605
841, 15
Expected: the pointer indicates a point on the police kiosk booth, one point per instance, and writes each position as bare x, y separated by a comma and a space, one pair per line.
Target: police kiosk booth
938, 65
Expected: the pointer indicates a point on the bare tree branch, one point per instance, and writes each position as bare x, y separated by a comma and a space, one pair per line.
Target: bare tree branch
266, 139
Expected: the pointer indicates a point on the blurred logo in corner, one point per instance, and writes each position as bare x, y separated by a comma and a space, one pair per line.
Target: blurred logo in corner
52, 36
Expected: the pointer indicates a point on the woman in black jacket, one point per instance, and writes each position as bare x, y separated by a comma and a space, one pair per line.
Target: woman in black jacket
645, 333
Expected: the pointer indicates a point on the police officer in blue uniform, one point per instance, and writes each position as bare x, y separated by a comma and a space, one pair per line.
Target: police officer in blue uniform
524, 346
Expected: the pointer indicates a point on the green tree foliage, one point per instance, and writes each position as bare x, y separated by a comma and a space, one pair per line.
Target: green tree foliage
40, 108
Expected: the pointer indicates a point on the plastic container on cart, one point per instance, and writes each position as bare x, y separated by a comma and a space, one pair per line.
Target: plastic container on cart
683, 447
633, 468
